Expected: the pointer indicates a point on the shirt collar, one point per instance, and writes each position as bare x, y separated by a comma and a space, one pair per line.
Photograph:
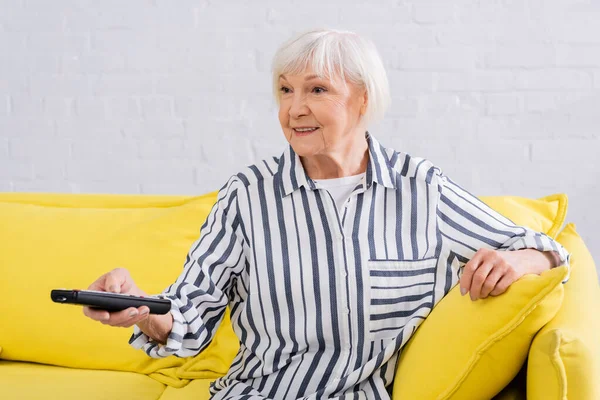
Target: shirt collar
291, 174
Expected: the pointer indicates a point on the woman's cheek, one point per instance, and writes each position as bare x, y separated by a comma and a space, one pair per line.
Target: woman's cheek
339, 104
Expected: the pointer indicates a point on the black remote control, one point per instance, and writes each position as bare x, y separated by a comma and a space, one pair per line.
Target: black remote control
109, 301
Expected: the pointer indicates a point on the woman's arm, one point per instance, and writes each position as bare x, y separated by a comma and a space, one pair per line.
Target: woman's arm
199, 296
493, 250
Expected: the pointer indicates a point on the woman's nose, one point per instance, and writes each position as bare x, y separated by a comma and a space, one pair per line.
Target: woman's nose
299, 107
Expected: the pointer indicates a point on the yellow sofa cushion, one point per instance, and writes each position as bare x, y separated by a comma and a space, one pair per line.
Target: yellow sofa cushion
471, 350
546, 214
197, 390
516, 389
564, 359
24, 381
52, 241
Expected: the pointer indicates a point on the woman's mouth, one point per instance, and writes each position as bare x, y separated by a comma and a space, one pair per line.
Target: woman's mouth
305, 131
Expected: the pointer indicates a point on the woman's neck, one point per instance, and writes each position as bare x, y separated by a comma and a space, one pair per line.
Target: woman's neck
349, 160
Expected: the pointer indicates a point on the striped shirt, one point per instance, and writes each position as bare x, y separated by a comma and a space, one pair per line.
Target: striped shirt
322, 297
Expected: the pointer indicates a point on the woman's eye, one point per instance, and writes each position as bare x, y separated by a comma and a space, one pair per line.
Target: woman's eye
283, 89
319, 89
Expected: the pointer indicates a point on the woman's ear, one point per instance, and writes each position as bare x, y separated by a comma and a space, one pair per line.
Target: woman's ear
364, 102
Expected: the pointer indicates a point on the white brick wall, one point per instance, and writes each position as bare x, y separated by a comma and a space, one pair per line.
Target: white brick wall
155, 96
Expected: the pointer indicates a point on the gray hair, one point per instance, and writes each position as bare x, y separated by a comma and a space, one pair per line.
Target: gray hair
329, 52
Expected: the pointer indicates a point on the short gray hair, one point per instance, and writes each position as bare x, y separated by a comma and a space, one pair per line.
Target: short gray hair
329, 52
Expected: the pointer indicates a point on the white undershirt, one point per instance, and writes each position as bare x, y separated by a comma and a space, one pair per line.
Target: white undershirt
339, 188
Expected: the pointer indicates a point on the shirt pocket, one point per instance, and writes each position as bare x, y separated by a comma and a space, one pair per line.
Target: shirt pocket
400, 290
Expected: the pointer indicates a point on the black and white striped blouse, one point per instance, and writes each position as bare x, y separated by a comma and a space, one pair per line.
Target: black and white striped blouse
322, 298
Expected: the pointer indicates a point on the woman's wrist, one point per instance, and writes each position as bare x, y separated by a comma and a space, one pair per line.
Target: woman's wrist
532, 261
157, 326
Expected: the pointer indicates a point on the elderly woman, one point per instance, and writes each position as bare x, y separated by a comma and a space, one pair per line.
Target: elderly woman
332, 254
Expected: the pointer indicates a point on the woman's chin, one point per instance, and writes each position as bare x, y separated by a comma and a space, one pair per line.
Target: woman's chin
306, 149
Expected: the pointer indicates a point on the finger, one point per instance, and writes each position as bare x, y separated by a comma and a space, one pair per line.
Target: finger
96, 315
134, 316
490, 283
479, 278
468, 272
124, 318
502, 285
142, 314
116, 280
119, 317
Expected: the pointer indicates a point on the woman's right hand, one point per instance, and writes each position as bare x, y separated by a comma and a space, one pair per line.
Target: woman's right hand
117, 281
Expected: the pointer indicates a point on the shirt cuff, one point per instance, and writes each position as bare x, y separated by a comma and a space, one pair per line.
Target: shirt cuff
139, 340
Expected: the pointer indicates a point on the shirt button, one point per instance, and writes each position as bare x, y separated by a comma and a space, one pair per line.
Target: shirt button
344, 274
340, 236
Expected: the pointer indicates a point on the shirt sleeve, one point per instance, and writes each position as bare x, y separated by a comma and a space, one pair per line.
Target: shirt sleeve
466, 224
199, 296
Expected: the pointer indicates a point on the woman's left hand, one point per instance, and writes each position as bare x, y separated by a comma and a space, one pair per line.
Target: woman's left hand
490, 272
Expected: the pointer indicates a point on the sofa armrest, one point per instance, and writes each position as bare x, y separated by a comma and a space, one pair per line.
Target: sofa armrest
564, 358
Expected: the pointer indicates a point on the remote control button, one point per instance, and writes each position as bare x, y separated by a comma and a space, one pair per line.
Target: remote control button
61, 298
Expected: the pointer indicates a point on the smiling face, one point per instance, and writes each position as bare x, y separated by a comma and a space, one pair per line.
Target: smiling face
319, 115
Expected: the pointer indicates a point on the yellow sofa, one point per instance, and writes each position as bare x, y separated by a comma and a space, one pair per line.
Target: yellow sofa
51, 240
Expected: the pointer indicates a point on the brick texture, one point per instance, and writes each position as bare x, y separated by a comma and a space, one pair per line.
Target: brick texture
174, 97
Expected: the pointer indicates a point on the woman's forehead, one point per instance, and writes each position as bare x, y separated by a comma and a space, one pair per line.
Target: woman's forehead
309, 74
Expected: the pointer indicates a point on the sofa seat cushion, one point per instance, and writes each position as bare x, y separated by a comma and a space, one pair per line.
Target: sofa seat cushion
196, 389
23, 381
